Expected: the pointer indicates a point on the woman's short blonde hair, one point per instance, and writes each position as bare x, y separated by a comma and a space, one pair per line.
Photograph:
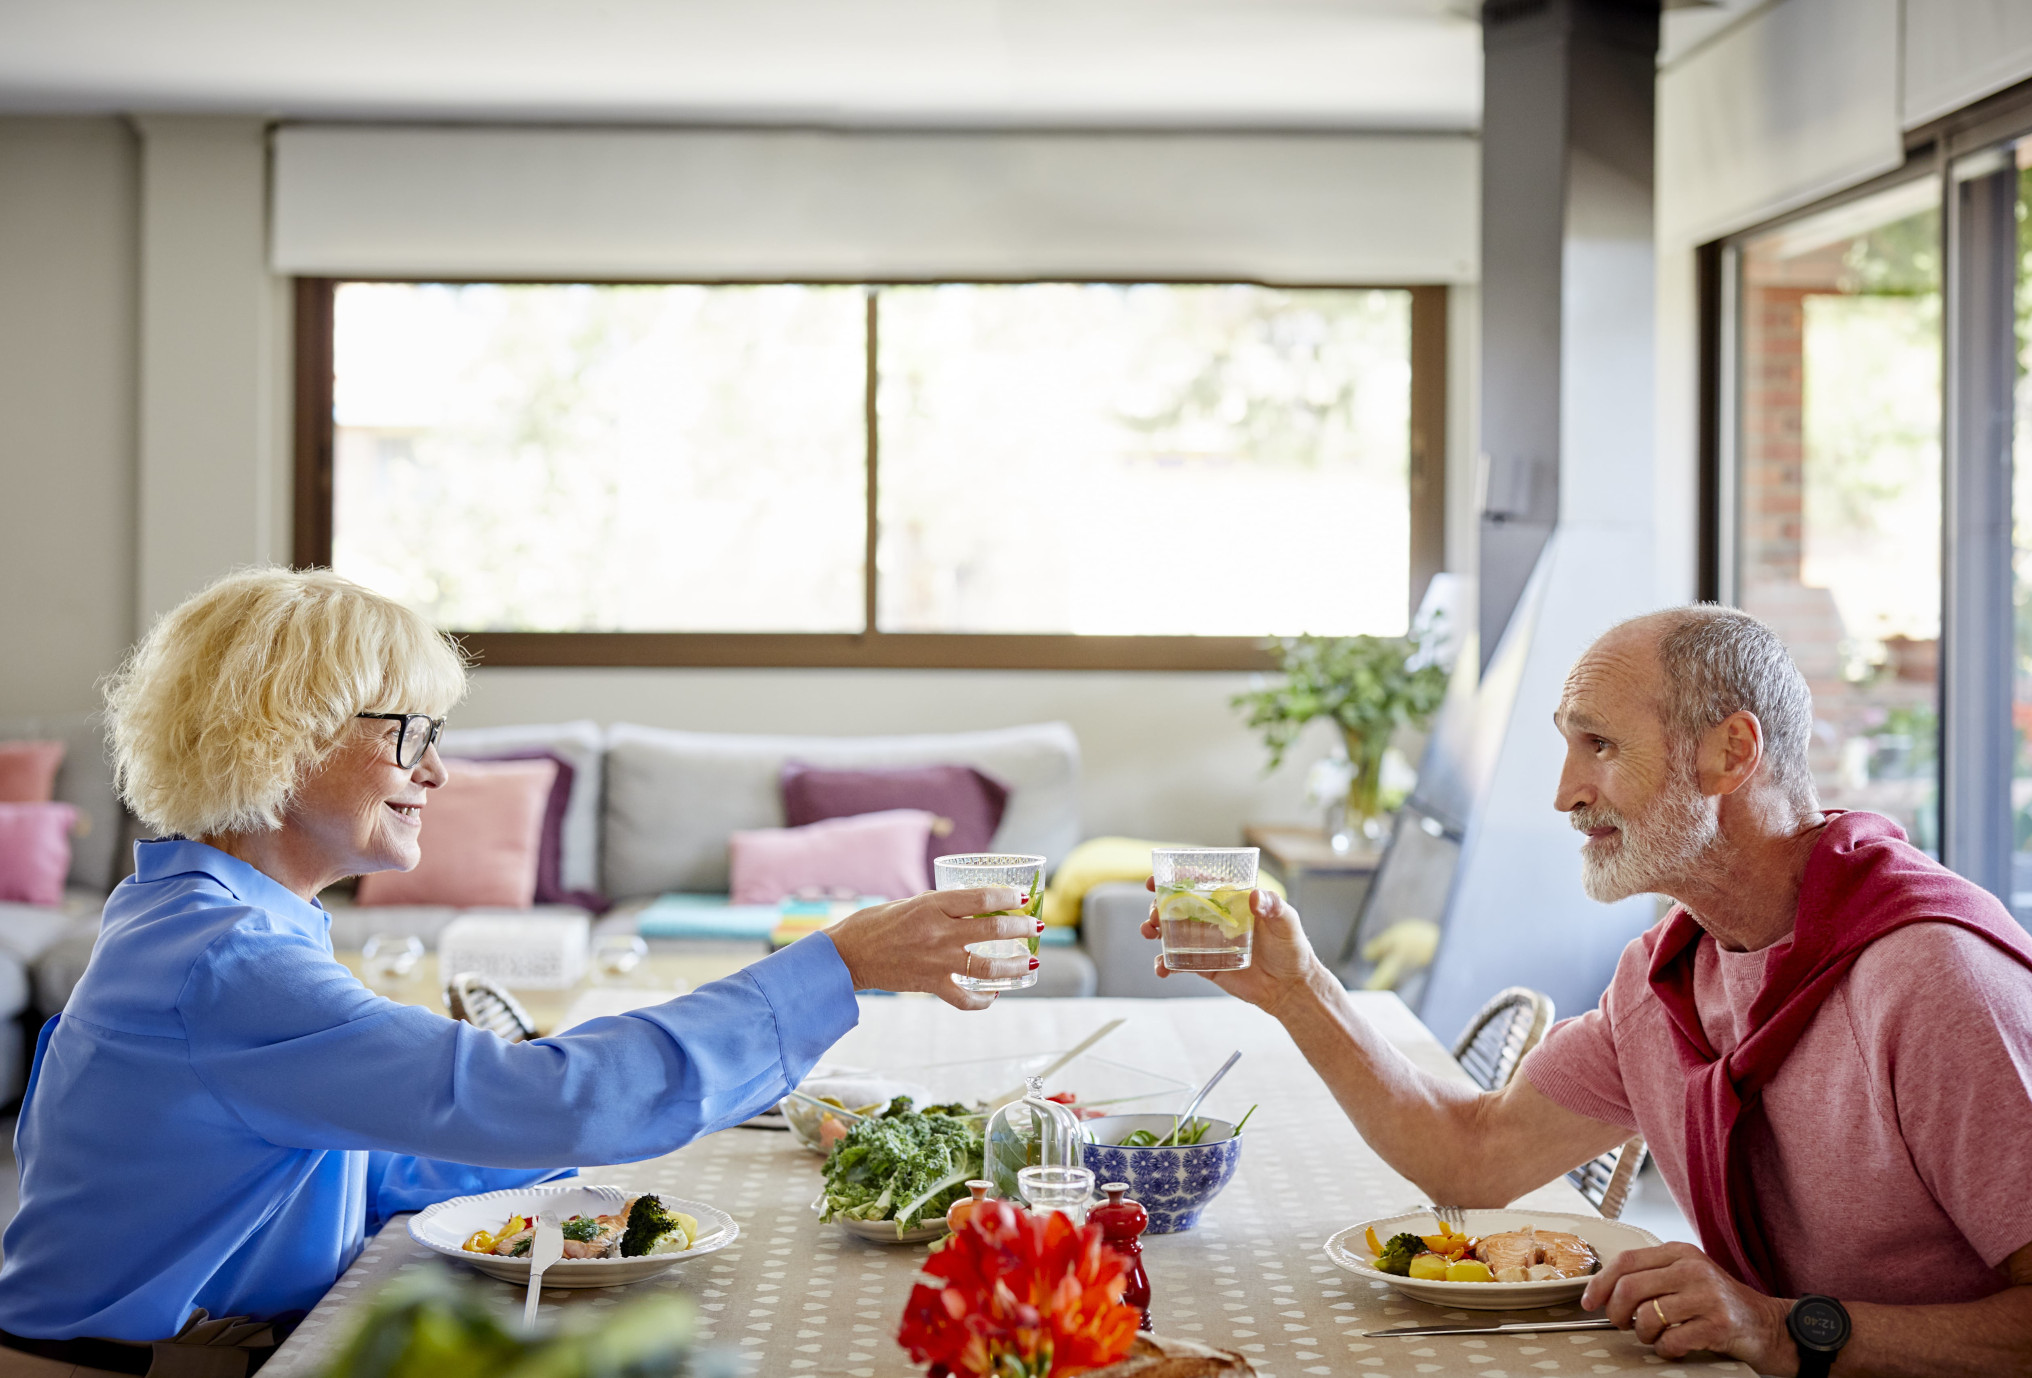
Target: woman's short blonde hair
234, 697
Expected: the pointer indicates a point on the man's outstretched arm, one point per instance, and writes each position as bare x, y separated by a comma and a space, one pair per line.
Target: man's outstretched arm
1459, 1145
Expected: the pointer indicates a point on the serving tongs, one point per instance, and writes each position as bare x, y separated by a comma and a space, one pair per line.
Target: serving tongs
1063, 1061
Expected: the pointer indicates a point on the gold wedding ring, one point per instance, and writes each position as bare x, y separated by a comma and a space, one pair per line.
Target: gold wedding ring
1663, 1324
970, 965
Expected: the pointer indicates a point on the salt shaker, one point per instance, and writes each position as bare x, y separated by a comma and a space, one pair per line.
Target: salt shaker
1122, 1223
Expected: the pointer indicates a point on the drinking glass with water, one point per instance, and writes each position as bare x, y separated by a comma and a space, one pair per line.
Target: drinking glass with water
1024, 875
1203, 912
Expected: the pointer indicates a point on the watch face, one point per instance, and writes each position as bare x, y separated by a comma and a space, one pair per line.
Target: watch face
1821, 1323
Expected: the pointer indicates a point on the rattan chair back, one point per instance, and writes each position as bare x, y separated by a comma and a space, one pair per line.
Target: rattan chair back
1606, 1181
1497, 1038
478, 1001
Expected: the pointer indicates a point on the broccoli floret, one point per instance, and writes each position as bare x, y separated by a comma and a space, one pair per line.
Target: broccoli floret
582, 1228
900, 1106
1398, 1253
954, 1109
648, 1223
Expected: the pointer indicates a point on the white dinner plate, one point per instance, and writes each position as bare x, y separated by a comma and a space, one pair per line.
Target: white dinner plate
1350, 1250
445, 1227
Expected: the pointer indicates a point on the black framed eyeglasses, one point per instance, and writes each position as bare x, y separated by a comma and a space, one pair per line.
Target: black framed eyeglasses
419, 730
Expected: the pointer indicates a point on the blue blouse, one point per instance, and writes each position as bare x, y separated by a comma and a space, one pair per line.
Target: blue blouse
224, 1112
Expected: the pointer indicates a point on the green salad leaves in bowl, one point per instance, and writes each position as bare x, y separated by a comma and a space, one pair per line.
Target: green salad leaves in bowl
895, 1173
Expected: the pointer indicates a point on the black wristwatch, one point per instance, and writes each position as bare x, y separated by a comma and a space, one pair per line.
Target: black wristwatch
1819, 1326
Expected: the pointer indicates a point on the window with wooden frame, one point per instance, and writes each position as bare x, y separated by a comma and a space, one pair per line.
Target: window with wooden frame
1037, 475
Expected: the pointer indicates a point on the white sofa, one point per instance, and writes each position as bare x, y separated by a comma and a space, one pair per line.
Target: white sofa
651, 810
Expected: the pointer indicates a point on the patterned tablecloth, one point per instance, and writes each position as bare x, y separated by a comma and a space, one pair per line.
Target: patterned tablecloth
802, 1297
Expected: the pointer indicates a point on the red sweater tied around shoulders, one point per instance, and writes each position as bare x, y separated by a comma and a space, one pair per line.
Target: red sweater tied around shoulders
1862, 880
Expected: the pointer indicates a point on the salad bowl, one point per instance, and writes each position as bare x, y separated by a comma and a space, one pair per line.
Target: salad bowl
1173, 1182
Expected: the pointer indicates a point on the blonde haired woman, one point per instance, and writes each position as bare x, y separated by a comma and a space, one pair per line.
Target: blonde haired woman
223, 1112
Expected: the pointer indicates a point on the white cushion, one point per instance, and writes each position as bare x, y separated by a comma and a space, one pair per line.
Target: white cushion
579, 745
674, 797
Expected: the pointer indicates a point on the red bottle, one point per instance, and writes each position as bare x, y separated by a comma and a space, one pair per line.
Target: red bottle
1122, 1222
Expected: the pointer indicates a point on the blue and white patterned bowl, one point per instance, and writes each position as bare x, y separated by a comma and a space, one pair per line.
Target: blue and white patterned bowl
1173, 1184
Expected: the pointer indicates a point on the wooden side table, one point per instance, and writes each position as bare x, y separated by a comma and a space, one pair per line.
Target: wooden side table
1326, 887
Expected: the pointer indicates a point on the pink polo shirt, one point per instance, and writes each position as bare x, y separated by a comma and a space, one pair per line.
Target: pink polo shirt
1892, 1160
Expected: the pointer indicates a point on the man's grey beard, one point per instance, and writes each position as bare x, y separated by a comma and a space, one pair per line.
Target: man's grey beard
1655, 851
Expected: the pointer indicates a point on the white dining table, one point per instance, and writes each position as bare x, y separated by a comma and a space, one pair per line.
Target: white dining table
796, 1296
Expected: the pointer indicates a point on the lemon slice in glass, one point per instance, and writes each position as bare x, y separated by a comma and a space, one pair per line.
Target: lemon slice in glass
1232, 902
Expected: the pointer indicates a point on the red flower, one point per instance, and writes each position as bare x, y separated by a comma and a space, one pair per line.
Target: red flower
1017, 1295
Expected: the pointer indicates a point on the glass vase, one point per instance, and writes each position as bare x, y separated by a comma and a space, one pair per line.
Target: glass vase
1362, 812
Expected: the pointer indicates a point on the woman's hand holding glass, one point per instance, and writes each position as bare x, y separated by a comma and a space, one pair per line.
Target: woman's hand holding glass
920, 943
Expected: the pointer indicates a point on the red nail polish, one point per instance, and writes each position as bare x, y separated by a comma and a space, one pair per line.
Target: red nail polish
1040, 925
1033, 964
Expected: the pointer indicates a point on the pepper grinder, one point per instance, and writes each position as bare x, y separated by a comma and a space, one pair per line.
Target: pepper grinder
1122, 1223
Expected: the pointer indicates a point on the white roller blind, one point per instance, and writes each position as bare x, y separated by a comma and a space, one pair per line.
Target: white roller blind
592, 203
1957, 51
1796, 102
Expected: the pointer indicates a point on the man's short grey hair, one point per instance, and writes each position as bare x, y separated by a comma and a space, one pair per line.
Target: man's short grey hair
1717, 661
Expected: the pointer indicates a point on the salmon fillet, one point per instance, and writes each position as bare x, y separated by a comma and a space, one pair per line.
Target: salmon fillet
1532, 1255
1510, 1249
1568, 1253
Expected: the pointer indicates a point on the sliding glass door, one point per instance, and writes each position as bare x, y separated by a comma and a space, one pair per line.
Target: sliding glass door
1873, 486
1839, 486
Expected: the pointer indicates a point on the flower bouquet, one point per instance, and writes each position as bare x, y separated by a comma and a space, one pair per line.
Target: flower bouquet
1020, 1295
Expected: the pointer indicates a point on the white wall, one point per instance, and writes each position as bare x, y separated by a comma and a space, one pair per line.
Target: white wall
214, 458
67, 346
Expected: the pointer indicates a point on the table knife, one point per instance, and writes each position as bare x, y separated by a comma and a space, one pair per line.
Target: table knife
546, 1249
1507, 1328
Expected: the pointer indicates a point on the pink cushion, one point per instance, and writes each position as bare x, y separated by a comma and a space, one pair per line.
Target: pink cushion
35, 851
28, 771
868, 854
482, 837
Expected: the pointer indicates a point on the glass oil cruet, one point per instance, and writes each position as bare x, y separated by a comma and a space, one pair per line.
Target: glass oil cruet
1031, 1132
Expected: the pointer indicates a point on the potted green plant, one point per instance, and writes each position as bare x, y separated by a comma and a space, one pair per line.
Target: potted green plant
1369, 686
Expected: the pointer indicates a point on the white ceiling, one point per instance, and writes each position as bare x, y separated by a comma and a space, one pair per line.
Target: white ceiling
1343, 64
1397, 64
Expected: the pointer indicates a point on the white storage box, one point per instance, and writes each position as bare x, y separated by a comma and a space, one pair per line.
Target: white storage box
517, 950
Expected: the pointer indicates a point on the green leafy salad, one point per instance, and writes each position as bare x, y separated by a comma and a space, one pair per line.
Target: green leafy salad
903, 1164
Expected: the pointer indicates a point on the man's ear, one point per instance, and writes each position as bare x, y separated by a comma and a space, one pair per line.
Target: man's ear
1731, 753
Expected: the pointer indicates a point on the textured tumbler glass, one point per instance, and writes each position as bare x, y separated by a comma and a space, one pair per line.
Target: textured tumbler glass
1203, 912
1064, 1189
1024, 875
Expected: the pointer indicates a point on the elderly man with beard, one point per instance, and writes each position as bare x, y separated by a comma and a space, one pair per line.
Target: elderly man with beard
1827, 1041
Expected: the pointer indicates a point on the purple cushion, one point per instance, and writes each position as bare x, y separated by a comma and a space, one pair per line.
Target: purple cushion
550, 841
967, 804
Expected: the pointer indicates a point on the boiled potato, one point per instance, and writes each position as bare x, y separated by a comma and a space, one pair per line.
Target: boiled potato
1469, 1270
1428, 1267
